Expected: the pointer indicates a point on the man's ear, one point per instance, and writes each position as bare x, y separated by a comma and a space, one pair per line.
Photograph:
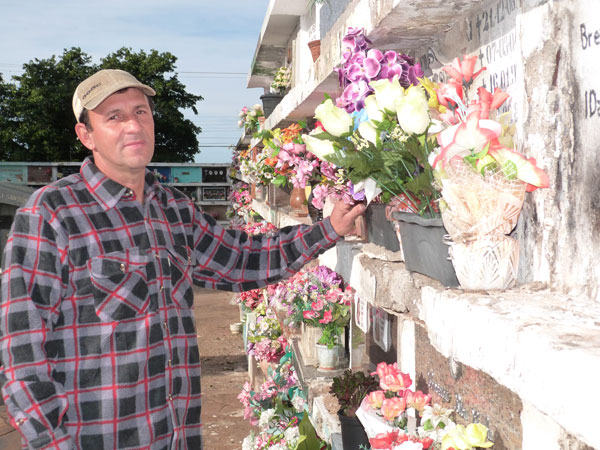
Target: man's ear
85, 136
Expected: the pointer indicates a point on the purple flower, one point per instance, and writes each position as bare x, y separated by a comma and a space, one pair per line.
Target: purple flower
354, 95
357, 196
391, 65
372, 63
327, 276
355, 39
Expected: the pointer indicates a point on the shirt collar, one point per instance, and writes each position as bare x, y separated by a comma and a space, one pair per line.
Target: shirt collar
108, 192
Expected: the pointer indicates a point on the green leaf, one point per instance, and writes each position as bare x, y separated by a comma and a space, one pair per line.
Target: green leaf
311, 440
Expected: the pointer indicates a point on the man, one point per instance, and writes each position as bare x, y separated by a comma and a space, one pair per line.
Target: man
97, 338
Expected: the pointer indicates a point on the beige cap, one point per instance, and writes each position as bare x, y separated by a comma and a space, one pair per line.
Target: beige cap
94, 90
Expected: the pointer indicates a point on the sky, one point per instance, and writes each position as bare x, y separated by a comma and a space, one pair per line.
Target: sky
214, 42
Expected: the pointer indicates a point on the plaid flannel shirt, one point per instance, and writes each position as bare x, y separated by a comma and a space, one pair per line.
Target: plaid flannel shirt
97, 335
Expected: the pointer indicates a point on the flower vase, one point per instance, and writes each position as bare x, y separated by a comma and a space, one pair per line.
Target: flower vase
260, 192
328, 358
298, 202
308, 340
486, 263
315, 49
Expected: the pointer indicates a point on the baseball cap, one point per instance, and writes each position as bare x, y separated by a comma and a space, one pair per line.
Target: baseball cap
95, 89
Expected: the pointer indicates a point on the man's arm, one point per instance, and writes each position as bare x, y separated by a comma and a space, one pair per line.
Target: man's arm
33, 281
233, 260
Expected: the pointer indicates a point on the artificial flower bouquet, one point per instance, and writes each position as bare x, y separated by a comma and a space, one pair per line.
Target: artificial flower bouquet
380, 129
264, 334
278, 411
292, 163
240, 202
282, 80
385, 413
319, 300
483, 180
250, 118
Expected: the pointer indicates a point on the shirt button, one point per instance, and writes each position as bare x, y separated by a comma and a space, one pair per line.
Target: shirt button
170, 397
166, 326
156, 255
128, 193
122, 267
170, 363
162, 287
20, 422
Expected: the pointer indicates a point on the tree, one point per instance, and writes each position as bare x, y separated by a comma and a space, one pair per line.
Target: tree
36, 119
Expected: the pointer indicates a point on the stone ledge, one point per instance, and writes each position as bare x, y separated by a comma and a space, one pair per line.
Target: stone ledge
543, 345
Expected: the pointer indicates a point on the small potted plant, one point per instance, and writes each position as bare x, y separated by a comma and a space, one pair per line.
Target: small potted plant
350, 389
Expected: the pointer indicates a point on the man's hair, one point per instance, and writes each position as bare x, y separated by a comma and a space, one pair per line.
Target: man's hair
84, 118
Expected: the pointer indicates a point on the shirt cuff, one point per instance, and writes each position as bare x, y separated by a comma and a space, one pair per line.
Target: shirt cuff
330, 234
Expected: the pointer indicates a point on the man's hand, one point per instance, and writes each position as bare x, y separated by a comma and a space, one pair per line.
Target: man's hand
343, 216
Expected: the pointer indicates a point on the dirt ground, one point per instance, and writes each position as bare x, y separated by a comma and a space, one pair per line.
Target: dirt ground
224, 371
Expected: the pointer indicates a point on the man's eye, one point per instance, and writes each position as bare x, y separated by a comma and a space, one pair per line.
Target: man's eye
114, 117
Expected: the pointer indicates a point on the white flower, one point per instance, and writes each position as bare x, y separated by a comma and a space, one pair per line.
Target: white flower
413, 110
436, 414
336, 120
291, 436
298, 403
321, 148
387, 93
372, 108
368, 132
248, 442
265, 417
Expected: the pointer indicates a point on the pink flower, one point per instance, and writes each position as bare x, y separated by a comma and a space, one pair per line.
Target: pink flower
417, 400
391, 379
393, 407
463, 70
326, 317
309, 314
320, 193
447, 92
318, 305
375, 399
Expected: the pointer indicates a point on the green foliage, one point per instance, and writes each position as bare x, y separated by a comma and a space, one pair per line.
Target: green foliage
37, 122
350, 388
309, 439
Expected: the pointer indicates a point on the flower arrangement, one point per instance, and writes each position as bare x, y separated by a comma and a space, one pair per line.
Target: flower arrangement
289, 158
282, 80
240, 202
483, 180
265, 340
250, 118
361, 65
319, 300
384, 414
277, 409
385, 149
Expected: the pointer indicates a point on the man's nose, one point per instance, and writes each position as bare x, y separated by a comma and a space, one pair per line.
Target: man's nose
133, 123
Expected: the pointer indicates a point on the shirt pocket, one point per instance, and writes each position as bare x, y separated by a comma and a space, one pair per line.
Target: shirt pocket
120, 284
181, 264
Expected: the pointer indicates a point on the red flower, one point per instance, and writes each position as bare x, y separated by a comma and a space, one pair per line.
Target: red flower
326, 317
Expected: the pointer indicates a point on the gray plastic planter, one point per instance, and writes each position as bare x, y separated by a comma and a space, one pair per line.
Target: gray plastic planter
424, 249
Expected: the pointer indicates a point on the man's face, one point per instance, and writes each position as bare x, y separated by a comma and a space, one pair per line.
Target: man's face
122, 134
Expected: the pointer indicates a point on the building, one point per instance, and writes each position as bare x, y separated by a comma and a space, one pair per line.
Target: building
522, 361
